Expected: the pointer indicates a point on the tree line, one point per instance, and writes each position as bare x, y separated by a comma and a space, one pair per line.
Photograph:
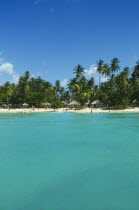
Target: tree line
118, 90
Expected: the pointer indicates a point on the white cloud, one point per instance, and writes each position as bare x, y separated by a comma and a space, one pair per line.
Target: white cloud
15, 78
64, 83
92, 72
7, 69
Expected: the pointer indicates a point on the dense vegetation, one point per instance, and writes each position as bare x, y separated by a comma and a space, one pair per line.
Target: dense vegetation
120, 88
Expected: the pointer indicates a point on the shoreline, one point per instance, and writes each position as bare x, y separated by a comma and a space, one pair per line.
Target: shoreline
64, 110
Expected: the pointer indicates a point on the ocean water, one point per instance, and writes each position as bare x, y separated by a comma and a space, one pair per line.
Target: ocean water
68, 161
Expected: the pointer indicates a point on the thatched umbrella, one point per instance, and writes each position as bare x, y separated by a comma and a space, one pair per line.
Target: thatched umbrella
4, 105
25, 105
96, 103
135, 102
47, 104
86, 104
74, 104
65, 103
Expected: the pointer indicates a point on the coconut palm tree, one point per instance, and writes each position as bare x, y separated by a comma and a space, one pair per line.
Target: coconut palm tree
79, 71
57, 85
24, 85
100, 68
114, 66
91, 83
106, 71
7, 91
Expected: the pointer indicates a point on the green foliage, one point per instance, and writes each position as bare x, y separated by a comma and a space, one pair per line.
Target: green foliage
114, 66
57, 104
118, 91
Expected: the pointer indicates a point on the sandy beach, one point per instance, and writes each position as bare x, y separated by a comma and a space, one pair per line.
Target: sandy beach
86, 110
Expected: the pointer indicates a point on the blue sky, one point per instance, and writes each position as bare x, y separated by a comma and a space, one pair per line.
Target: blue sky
50, 37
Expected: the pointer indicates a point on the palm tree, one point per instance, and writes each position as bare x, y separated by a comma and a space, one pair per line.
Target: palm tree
91, 83
79, 71
57, 85
27, 75
24, 85
66, 96
100, 68
122, 87
114, 66
7, 91
106, 70
82, 82
71, 85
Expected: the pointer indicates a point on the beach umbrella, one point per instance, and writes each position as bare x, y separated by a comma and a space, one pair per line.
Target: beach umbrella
47, 104
87, 103
25, 105
135, 102
4, 105
65, 103
97, 102
74, 103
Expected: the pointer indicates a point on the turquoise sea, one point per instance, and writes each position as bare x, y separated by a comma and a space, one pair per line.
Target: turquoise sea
68, 161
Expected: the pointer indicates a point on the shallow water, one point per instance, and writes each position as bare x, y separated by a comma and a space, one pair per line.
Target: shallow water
68, 161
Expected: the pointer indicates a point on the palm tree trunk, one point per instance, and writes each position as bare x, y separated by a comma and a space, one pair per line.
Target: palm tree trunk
7, 101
